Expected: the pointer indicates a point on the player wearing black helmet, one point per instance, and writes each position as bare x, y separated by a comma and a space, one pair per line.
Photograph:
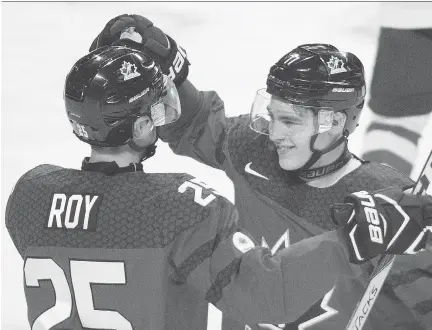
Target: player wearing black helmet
122, 107
311, 105
288, 160
111, 247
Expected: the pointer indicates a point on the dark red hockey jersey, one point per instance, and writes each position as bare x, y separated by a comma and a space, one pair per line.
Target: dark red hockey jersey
279, 211
148, 251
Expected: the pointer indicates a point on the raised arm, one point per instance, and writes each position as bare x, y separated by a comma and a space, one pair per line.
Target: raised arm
201, 129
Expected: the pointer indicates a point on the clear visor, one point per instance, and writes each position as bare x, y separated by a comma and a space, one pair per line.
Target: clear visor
279, 118
167, 110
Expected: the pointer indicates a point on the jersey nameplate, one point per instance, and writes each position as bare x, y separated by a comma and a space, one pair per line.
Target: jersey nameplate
74, 211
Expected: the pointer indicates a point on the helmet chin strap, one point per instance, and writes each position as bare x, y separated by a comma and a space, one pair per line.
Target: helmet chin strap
148, 151
305, 172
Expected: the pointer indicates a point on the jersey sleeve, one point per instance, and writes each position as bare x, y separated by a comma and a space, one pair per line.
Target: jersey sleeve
246, 282
11, 226
411, 281
201, 130
15, 203
11, 206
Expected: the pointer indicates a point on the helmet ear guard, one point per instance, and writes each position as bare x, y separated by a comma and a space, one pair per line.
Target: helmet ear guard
328, 119
353, 116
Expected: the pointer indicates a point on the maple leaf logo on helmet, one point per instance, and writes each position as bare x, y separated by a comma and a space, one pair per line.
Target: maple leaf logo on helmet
336, 65
129, 71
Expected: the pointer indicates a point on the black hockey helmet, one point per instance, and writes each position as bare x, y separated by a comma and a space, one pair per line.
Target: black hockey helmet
319, 75
108, 89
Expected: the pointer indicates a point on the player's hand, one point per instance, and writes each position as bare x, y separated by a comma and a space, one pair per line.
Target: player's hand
387, 221
138, 32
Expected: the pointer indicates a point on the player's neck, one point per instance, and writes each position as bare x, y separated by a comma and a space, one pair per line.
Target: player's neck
329, 158
120, 156
331, 179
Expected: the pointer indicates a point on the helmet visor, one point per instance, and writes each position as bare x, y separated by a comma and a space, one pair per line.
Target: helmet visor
167, 109
271, 115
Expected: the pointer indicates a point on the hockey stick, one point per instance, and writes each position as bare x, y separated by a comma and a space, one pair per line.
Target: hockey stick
379, 274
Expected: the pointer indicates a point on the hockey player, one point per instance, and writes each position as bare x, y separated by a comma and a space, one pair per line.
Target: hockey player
111, 247
288, 160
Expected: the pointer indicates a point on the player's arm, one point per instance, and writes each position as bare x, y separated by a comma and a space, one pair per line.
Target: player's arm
201, 129
10, 225
14, 207
245, 281
411, 281
251, 285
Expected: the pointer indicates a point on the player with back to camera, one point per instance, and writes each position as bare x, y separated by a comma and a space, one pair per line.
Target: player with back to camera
288, 160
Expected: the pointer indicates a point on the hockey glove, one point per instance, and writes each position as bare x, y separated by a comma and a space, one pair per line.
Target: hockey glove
138, 32
387, 221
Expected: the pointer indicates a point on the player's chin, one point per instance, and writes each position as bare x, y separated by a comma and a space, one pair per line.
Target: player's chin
289, 163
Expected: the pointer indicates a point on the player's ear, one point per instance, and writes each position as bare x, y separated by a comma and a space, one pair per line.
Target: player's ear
142, 127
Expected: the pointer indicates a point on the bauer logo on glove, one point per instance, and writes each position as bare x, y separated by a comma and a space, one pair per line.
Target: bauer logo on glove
394, 221
373, 218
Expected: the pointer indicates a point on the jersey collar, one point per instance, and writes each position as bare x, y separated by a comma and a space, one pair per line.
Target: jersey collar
109, 168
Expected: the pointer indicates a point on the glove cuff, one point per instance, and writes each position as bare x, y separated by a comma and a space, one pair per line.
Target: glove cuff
176, 65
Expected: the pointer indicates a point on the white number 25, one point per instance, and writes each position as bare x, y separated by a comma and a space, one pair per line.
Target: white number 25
83, 273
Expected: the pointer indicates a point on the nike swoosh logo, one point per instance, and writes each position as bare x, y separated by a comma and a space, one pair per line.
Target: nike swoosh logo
251, 171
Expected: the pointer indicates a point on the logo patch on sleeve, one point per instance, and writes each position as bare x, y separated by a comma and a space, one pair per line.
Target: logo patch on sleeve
74, 211
242, 242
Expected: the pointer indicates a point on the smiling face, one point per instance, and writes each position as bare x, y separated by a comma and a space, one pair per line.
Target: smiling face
291, 129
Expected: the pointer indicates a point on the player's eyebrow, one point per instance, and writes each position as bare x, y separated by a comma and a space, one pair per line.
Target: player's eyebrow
296, 116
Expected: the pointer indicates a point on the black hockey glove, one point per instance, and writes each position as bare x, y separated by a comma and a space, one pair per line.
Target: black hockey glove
387, 221
138, 32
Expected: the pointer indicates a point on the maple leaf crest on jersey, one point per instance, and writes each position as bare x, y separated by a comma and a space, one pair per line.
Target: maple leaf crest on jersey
271, 202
